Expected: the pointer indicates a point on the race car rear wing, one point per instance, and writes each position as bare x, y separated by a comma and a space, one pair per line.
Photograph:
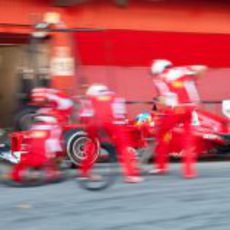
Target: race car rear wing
226, 107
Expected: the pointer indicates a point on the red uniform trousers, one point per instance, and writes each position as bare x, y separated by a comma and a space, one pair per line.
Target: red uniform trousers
119, 137
171, 119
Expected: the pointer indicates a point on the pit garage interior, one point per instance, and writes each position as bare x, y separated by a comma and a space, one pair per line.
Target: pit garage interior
12, 57
18, 67
128, 36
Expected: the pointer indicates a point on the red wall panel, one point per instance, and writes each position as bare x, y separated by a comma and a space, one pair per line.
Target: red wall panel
139, 48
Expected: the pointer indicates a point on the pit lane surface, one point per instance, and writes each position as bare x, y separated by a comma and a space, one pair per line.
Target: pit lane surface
160, 202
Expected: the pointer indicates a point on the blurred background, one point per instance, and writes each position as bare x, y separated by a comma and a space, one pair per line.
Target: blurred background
111, 42
69, 44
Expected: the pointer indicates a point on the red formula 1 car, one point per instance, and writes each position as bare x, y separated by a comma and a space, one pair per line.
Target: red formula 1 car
73, 141
211, 132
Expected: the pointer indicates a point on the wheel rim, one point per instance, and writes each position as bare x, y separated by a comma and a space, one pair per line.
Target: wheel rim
77, 151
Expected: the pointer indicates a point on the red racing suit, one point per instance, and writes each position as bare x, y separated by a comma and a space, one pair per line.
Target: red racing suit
107, 114
58, 101
178, 97
44, 138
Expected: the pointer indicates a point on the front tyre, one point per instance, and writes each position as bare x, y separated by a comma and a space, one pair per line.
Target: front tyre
76, 145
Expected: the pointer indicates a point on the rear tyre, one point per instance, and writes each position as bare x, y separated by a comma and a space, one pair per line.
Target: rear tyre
24, 118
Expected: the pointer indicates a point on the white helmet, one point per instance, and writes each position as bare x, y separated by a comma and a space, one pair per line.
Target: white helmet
46, 119
97, 89
159, 65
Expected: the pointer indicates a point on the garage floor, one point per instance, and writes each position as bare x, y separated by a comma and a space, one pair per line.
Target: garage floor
161, 202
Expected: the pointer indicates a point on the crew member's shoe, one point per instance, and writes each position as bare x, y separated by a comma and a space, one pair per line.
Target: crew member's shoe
190, 175
134, 179
158, 171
